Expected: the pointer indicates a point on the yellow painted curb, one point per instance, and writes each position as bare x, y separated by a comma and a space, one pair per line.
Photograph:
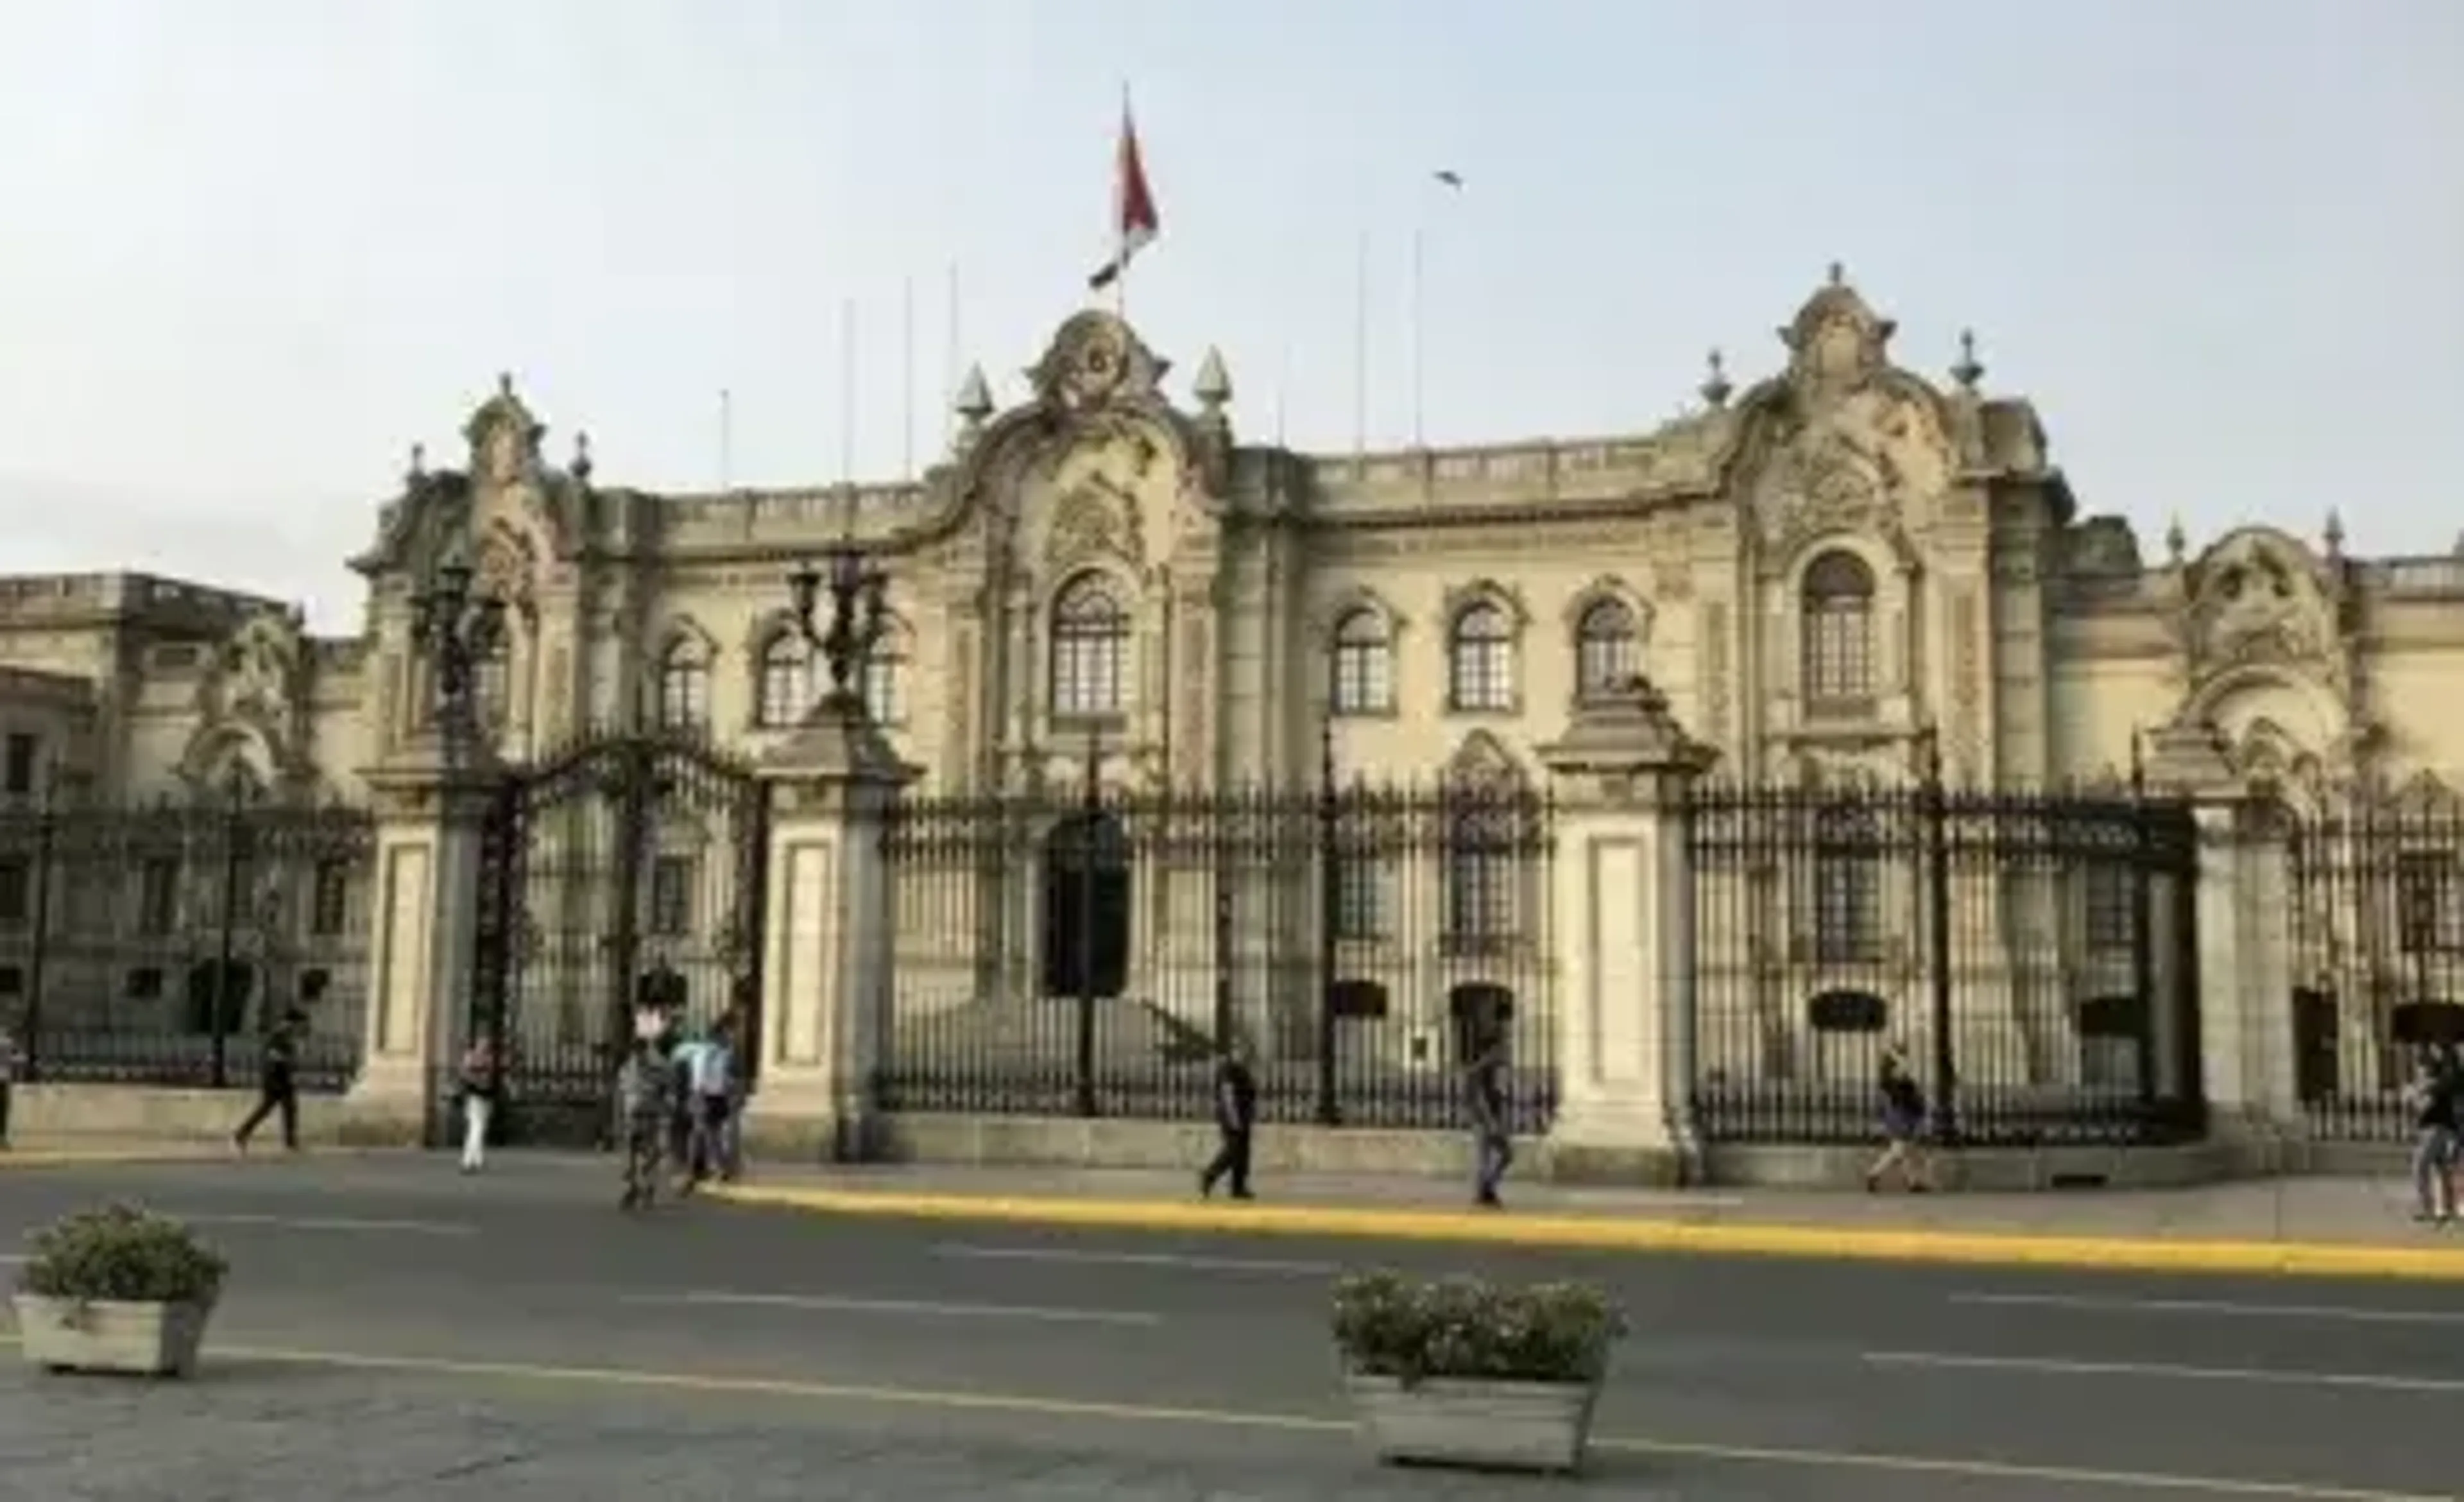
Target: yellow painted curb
1610, 1233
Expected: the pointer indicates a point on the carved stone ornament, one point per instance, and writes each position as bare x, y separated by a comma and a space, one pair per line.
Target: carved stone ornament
1096, 361
1093, 520
1836, 343
2259, 599
504, 438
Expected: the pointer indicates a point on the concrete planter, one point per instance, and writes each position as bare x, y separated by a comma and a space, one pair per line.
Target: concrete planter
66, 1335
1492, 1425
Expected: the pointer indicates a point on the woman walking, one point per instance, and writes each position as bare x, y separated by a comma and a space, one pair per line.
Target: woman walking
478, 1087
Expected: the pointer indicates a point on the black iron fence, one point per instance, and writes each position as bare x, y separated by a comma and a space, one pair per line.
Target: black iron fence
2034, 955
2375, 935
155, 944
1087, 956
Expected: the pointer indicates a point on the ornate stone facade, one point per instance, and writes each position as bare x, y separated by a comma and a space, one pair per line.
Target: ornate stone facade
1821, 570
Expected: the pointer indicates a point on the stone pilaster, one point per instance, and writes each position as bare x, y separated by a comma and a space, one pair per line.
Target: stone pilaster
1625, 923
423, 929
826, 975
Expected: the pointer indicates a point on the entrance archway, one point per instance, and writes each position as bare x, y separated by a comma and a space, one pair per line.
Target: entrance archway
1087, 907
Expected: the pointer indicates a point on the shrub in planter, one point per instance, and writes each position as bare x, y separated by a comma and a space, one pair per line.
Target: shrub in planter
116, 1289
1462, 1370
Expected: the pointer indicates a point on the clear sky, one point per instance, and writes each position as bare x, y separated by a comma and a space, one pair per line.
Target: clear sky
253, 249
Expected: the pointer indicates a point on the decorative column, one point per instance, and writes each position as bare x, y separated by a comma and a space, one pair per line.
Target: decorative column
1624, 893
825, 976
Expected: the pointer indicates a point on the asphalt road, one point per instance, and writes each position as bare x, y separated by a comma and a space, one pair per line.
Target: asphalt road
430, 1315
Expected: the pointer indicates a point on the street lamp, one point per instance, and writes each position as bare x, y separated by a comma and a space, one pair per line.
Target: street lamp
859, 602
456, 633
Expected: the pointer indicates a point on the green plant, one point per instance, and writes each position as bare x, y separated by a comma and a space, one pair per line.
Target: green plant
121, 1253
1387, 1325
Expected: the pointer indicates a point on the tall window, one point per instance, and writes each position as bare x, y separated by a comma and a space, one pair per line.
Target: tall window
1839, 634
2429, 903
787, 682
1606, 649
492, 680
1847, 887
1479, 654
1364, 663
883, 669
684, 686
1483, 870
1091, 649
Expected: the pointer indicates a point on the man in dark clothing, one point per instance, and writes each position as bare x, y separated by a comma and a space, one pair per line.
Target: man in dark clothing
1903, 1126
2437, 1098
1236, 1119
1492, 1137
277, 1084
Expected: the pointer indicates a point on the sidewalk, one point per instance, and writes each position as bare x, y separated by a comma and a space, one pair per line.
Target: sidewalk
2317, 1227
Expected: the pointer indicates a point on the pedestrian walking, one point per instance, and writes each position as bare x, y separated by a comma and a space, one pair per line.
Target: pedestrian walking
1236, 1123
1903, 1126
644, 1084
2437, 1096
1492, 1138
710, 1073
278, 1083
477, 1085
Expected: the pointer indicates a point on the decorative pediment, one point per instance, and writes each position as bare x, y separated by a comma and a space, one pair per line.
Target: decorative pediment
1481, 764
1836, 343
259, 675
1609, 589
504, 438
1349, 602
2426, 795
1461, 597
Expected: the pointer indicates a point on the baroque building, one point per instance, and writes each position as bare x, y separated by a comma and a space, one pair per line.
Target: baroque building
1833, 574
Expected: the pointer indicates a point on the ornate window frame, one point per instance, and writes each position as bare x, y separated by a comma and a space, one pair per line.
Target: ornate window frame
1341, 614
1122, 590
1606, 591
1461, 602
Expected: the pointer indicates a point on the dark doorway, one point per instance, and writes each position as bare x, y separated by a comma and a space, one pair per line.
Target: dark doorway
1087, 908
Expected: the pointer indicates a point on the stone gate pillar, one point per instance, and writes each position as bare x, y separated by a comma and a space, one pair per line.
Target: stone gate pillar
827, 937
424, 923
2243, 944
1624, 896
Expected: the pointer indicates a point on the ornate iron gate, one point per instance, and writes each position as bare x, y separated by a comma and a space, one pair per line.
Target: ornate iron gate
627, 864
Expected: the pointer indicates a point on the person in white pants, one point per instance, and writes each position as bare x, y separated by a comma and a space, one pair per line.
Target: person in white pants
479, 1102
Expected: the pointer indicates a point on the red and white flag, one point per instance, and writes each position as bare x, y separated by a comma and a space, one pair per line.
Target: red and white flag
1134, 222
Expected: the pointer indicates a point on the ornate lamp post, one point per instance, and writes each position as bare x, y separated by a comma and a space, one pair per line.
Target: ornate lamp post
456, 633
859, 614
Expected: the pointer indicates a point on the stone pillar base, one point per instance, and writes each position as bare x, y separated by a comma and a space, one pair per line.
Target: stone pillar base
388, 1105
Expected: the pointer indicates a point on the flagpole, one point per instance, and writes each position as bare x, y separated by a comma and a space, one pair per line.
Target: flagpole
907, 378
1120, 215
726, 439
1420, 384
846, 392
949, 359
1360, 350
1282, 389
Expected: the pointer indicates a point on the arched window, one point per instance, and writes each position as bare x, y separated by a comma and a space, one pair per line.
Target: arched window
1091, 649
1479, 654
885, 671
684, 686
492, 680
1847, 886
787, 682
1837, 664
1364, 663
1607, 652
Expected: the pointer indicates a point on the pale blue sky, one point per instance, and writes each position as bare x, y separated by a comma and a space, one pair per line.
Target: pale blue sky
253, 249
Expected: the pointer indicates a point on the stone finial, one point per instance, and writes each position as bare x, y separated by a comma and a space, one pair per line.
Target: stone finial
505, 385
1968, 370
582, 465
1213, 387
2334, 533
974, 401
418, 470
1838, 275
2177, 543
1715, 386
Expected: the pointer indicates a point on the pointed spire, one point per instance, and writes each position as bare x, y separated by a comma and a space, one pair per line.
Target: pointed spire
418, 471
1715, 388
1967, 370
974, 401
1837, 275
2176, 543
1213, 387
2335, 533
505, 385
582, 465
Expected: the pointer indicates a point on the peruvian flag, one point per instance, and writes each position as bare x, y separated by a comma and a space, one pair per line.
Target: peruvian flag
1134, 207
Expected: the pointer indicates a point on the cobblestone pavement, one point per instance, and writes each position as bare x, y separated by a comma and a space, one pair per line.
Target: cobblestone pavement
276, 1435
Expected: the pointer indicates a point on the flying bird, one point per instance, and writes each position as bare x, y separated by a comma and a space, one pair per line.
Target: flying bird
1453, 180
